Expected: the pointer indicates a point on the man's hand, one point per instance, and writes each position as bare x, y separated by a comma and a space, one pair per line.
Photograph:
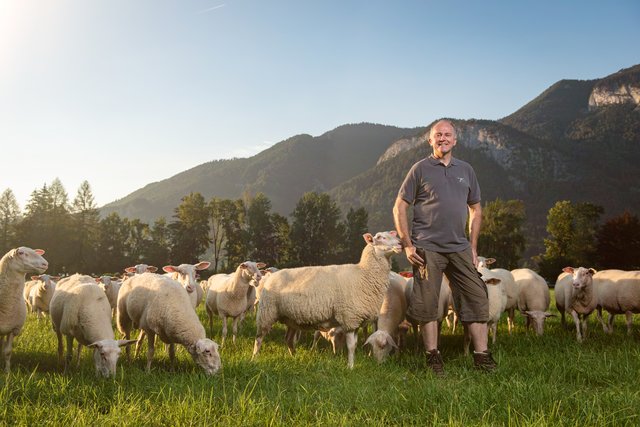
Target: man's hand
412, 256
474, 255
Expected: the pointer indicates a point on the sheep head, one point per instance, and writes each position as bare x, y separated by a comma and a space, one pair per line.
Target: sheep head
28, 260
381, 345
105, 355
252, 271
582, 277
385, 242
205, 353
538, 318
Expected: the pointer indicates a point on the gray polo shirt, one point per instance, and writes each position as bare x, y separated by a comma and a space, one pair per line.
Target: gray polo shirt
440, 196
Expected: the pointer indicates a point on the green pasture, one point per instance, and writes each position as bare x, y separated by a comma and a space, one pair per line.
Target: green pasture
549, 380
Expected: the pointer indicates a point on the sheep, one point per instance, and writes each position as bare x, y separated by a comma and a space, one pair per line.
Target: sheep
141, 268
619, 293
392, 313
159, 306
560, 289
185, 274
13, 312
497, 296
534, 298
81, 310
229, 295
510, 286
322, 297
111, 286
39, 292
581, 298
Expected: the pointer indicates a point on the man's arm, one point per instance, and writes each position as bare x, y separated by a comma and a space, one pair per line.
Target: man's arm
402, 227
475, 221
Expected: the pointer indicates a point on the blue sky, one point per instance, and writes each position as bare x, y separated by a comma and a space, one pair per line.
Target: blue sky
126, 92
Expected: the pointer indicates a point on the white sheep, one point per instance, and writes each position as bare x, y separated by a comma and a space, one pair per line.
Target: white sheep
141, 268
560, 289
619, 293
81, 310
185, 274
533, 299
111, 286
510, 286
322, 297
13, 312
581, 298
39, 292
229, 295
159, 306
392, 313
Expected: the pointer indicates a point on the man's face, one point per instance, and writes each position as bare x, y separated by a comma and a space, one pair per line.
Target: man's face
442, 139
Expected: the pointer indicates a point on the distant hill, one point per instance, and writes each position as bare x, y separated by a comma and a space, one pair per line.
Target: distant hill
578, 140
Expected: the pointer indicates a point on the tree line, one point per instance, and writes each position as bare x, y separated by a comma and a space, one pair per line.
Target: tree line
228, 232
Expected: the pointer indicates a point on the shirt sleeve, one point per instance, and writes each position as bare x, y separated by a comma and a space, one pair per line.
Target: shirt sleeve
474, 189
409, 186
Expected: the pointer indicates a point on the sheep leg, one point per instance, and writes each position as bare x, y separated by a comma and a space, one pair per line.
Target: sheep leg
210, 315
69, 356
151, 337
352, 342
576, 320
601, 319
316, 337
78, 354
172, 356
235, 328
584, 326
494, 332
563, 321
511, 313
224, 328
629, 316
139, 342
60, 349
7, 348
290, 338
609, 327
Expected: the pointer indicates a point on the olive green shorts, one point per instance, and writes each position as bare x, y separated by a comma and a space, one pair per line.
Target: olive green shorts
467, 287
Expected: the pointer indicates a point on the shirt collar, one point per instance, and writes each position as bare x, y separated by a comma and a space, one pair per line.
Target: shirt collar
435, 161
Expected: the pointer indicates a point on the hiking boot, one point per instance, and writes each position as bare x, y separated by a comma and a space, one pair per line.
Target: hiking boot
434, 361
483, 361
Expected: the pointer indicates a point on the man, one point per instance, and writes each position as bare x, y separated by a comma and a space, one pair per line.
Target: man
442, 189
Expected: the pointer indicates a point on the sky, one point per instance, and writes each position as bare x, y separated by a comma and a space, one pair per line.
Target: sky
122, 93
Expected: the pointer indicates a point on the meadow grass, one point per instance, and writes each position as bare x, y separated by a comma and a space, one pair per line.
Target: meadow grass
548, 380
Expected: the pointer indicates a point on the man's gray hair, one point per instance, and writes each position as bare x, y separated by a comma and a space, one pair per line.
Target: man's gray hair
455, 134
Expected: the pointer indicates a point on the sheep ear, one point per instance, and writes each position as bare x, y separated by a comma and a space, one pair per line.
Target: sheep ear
369, 341
547, 314
592, 271
368, 238
122, 343
151, 269
489, 261
202, 265
527, 313
244, 265
130, 269
39, 251
99, 279
568, 270
35, 277
261, 265
391, 342
393, 232
169, 269
55, 277
96, 344
492, 281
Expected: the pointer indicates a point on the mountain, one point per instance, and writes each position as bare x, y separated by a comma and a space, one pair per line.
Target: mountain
578, 140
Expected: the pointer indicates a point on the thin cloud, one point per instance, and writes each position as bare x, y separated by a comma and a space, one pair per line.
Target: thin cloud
212, 8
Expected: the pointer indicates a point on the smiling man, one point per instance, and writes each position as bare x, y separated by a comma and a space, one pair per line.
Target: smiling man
443, 191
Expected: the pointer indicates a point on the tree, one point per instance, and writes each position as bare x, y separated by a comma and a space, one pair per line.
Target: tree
159, 247
138, 241
236, 248
85, 221
113, 251
261, 231
572, 237
619, 243
355, 226
190, 231
502, 235
315, 230
9, 217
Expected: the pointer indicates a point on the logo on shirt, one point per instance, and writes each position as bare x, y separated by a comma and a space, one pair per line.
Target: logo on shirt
460, 179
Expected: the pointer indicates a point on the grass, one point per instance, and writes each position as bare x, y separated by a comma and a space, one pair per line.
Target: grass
548, 380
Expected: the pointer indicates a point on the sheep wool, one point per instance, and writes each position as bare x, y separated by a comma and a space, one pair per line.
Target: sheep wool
322, 297
13, 312
618, 292
533, 298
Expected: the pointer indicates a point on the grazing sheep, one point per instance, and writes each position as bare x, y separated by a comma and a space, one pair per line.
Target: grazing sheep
619, 293
111, 286
39, 293
159, 306
81, 310
534, 298
510, 287
322, 297
562, 286
229, 295
392, 313
581, 298
13, 312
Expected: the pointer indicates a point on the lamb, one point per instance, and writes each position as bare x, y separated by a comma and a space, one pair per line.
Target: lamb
39, 293
563, 282
159, 306
497, 301
581, 298
229, 295
322, 297
392, 313
111, 286
534, 298
13, 312
619, 293
510, 286
81, 310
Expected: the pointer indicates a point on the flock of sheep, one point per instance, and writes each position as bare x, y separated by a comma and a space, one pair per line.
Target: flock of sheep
334, 301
